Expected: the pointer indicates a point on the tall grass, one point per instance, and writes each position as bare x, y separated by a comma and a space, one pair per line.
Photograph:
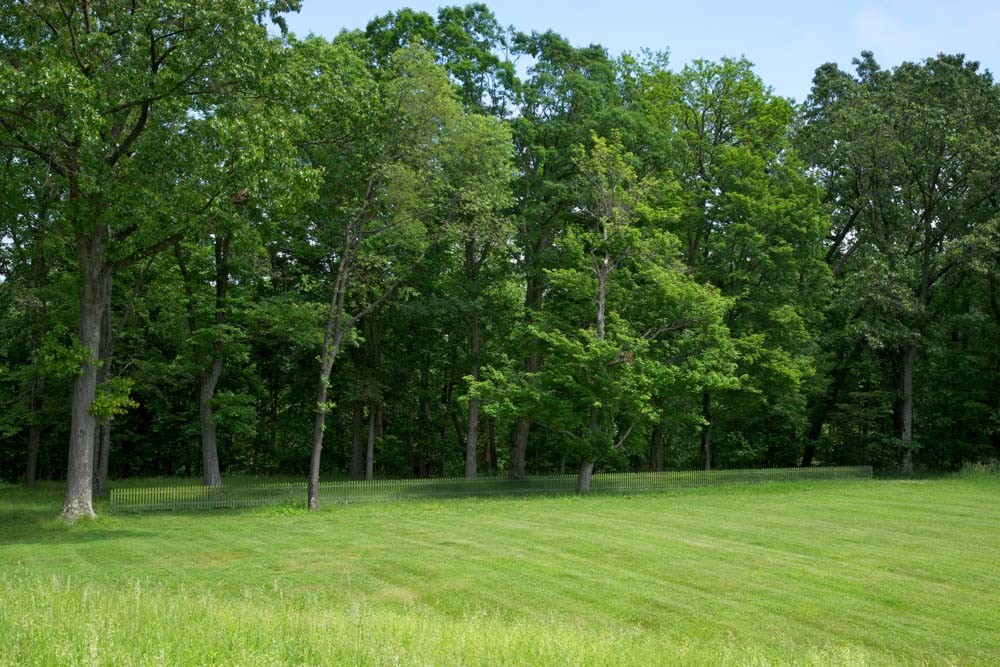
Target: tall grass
988, 467
60, 622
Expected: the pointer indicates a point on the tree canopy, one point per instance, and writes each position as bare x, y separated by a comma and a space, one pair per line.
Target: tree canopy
438, 246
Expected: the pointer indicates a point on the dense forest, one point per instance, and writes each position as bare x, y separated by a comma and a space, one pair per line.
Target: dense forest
439, 246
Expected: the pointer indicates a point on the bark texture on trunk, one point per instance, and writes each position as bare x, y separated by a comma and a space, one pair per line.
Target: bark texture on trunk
656, 448
102, 439
103, 460
319, 422
208, 379
211, 474
94, 300
584, 476
333, 335
519, 450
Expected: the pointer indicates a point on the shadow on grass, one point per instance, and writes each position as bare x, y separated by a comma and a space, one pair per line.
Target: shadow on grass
31, 516
49, 535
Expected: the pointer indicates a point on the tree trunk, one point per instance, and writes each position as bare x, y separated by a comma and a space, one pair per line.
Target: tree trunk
519, 448
332, 338
319, 422
102, 438
491, 445
357, 466
821, 409
36, 279
909, 358
472, 433
370, 454
656, 448
584, 476
94, 300
603, 268
706, 431
103, 461
211, 475
34, 430
209, 379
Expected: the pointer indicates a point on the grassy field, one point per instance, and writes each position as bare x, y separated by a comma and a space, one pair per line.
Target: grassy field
858, 573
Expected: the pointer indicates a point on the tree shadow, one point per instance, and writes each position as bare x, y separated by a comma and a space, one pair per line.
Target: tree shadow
32, 517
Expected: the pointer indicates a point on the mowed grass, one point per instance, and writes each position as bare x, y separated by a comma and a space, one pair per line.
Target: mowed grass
883, 572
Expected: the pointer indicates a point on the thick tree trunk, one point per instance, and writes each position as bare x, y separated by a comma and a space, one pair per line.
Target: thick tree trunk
357, 465
706, 431
472, 432
102, 439
909, 357
656, 448
584, 476
211, 474
370, 453
519, 449
93, 267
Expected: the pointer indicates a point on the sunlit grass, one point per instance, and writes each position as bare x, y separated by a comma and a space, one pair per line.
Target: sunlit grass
820, 573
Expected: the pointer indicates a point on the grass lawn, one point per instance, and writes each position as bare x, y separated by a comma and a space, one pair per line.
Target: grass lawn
883, 572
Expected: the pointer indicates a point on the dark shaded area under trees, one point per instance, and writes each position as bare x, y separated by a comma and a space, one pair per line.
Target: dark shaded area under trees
394, 253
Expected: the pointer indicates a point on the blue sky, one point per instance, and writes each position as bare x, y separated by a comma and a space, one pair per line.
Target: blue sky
787, 40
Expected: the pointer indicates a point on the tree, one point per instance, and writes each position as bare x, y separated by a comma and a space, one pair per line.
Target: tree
604, 351
397, 199
569, 93
909, 158
751, 224
102, 95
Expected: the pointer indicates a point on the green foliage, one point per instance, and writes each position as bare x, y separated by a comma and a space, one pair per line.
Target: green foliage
60, 355
610, 258
113, 399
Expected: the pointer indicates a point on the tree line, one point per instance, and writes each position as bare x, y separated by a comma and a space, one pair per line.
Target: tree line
438, 246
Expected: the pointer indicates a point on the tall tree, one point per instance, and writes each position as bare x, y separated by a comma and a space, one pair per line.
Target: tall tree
102, 94
751, 224
397, 200
910, 158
